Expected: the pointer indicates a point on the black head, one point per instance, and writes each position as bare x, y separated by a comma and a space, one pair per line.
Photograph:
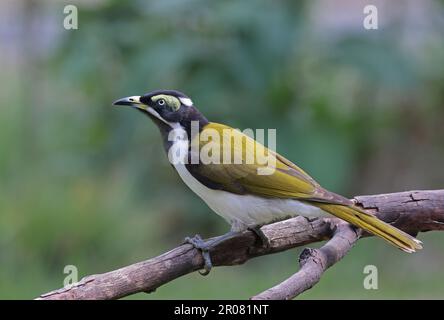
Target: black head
167, 108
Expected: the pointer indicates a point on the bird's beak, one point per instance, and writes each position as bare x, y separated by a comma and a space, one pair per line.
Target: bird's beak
133, 101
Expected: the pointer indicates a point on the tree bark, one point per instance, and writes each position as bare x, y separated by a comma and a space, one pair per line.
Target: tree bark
412, 211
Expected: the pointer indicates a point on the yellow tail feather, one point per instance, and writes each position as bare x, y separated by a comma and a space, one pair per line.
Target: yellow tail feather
370, 223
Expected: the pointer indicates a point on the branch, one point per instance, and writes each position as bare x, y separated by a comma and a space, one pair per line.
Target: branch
314, 262
412, 211
390, 207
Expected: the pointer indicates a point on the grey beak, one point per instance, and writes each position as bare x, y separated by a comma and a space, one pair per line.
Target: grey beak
128, 101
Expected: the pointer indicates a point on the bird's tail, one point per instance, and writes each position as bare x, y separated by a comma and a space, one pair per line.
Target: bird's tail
372, 224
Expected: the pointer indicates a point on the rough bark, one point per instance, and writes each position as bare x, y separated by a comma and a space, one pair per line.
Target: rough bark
412, 211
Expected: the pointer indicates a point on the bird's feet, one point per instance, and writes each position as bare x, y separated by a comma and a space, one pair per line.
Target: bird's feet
262, 237
206, 246
198, 243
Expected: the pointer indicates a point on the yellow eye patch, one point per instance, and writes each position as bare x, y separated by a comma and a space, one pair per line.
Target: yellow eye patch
170, 101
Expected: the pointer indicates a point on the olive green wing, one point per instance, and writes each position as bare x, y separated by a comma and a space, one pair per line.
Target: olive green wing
244, 174
286, 181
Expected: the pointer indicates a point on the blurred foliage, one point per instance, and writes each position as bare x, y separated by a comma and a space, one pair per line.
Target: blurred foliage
86, 184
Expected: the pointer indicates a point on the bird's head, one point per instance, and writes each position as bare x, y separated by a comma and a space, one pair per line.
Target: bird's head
167, 108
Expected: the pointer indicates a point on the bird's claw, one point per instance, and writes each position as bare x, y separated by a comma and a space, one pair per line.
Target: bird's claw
262, 237
198, 243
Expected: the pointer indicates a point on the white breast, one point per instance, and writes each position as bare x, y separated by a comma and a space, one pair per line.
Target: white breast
243, 211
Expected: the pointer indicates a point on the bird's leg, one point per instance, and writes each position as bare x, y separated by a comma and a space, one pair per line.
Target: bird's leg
198, 243
260, 234
205, 247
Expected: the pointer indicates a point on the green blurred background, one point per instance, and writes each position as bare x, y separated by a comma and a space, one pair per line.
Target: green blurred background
87, 184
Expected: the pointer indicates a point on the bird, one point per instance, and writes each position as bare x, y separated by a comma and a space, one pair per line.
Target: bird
236, 190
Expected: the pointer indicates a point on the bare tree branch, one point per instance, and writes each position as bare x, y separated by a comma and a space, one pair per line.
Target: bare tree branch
313, 264
412, 211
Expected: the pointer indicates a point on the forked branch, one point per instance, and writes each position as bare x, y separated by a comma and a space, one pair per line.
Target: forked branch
412, 211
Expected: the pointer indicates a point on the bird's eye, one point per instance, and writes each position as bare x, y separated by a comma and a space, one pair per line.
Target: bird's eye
161, 102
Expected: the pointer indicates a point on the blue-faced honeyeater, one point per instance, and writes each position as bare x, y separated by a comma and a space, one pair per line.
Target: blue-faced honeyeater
236, 192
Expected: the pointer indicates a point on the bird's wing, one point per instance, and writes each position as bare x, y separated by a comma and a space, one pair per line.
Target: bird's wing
241, 175
287, 181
